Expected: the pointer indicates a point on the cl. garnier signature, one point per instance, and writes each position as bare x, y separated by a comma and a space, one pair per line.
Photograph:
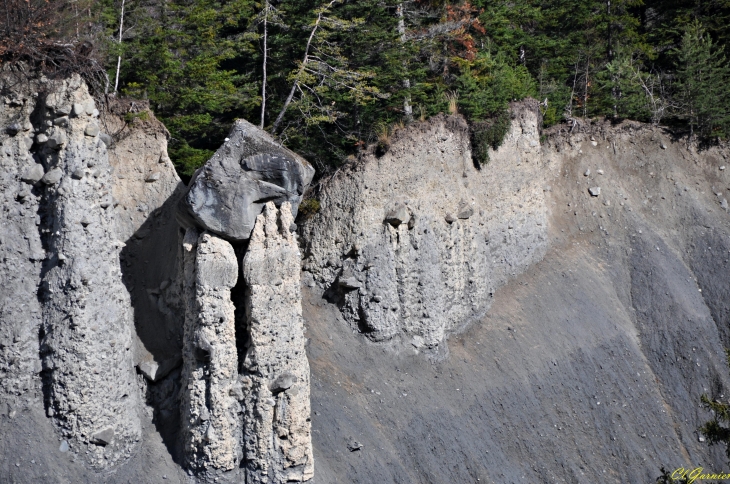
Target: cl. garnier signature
698, 474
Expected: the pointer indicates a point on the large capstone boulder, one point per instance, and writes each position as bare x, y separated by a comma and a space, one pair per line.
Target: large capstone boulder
231, 189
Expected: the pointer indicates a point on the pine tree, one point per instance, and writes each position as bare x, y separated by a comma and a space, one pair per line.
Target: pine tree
702, 83
178, 54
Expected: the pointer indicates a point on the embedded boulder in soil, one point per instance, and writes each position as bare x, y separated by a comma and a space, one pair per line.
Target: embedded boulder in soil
231, 189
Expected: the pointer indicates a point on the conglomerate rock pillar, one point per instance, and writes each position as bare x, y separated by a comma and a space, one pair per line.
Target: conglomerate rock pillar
86, 332
277, 424
210, 409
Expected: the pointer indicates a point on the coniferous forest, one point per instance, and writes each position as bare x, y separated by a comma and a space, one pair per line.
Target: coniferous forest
329, 77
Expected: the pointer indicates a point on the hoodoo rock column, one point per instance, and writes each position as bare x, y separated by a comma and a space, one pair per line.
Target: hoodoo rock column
210, 422
277, 426
86, 332
256, 413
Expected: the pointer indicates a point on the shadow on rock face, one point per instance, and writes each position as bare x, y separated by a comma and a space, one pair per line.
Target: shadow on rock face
150, 271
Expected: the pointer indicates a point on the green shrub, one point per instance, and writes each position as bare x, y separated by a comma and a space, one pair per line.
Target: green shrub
186, 158
309, 207
488, 134
141, 115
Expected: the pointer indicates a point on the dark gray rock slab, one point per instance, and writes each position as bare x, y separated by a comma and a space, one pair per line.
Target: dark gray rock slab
103, 437
250, 169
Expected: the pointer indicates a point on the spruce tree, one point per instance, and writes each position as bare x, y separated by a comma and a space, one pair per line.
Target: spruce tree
702, 83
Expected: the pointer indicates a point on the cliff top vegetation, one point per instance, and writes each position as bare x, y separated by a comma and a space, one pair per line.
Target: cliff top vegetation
327, 76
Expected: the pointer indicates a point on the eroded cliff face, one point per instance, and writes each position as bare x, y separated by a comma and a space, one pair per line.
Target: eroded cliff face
581, 284
587, 367
414, 244
85, 326
110, 283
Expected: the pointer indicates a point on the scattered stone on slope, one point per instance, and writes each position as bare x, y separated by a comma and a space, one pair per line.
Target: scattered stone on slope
33, 174
350, 283
594, 191
92, 129
106, 139
155, 371
397, 214
53, 176
13, 129
465, 211
103, 437
283, 382
277, 428
227, 194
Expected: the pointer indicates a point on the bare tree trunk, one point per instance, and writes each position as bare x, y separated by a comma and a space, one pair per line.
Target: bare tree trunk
119, 58
280, 117
585, 91
7, 17
76, 11
407, 108
263, 87
614, 92
610, 31
572, 91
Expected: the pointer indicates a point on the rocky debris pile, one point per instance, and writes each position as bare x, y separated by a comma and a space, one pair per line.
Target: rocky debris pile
277, 426
211, 420
226, 195
413, 244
